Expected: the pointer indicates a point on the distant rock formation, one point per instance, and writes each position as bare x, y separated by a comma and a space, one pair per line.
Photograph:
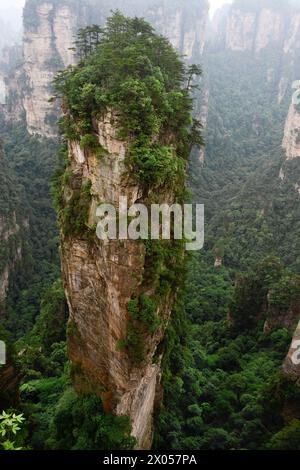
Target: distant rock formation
50, 28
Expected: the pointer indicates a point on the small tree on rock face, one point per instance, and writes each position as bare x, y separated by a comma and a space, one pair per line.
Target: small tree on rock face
193, 70
87, 39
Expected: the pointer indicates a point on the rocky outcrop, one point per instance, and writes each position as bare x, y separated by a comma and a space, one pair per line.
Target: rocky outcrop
4, 284
14, 100
11, 251
255, 28
292, 41
218, 262
270, 29
240, 30
291, 365
277, 317
13, 226
184, 24
202, 115
47, 44
291, 139
100, 278
2, 90
252, 30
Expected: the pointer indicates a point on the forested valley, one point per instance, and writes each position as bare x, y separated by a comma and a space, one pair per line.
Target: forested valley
225, 383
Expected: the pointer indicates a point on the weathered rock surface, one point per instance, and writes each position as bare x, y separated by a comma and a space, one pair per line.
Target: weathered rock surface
240, 30
184, 25
12, 251
270, 29
255, 30
13, 226
291, 364
291, 139
46, 50
100, 278
277, 317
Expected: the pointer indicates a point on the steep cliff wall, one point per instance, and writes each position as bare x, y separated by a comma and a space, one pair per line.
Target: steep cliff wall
100, 279
291, 139
49, 29
251, 29
9, 231
291, 365
183, 23
254, 26
240, 30
11, 226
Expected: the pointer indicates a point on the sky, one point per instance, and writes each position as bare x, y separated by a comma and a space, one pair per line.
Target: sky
11, 3
19, 3
214, 5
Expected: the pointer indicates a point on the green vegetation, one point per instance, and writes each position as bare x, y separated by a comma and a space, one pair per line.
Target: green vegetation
57, 417
288, 438
143, 319
9, 427
120, 69
32, 161
219, 382
223, 384
222, 379
74, 216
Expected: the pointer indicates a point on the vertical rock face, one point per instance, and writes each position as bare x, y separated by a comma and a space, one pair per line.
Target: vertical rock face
251, 29
183, 23
11, 226
218, 262
48, 35
291, 140
100, 278
240, 30
64, 28
2, 90
9, 230
270, 29
291, 365
292, 40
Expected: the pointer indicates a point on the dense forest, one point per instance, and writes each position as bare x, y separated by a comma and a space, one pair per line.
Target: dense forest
239, 298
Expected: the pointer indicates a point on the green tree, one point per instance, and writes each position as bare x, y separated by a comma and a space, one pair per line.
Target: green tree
10, 425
